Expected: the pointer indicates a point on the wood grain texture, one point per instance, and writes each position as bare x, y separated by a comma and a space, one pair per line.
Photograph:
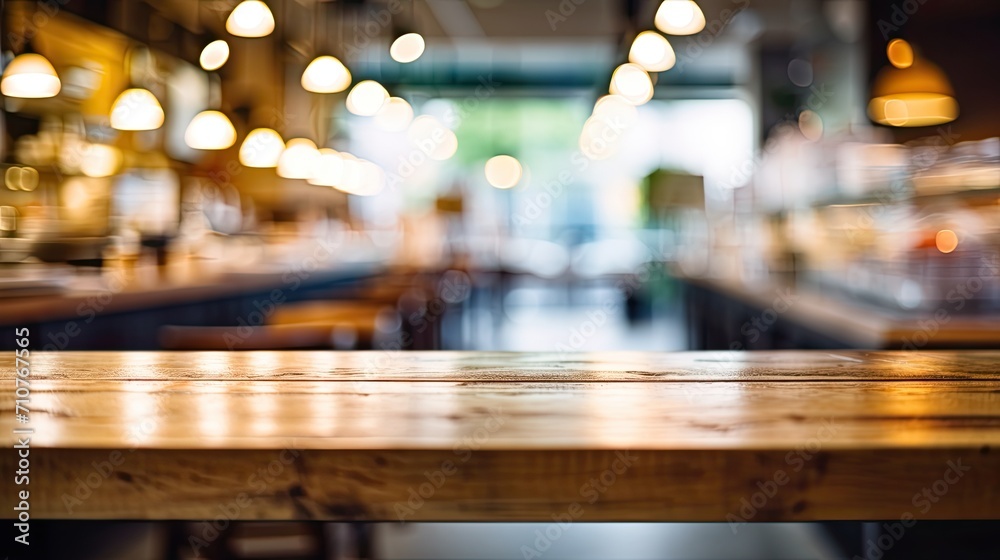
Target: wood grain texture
511, 436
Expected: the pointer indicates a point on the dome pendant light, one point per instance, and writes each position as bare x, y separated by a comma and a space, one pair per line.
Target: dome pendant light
30, 76
136, 109
262, 148
652, 51
251, 18
210, 130
912, 91
407, 48
679, 17
326, 74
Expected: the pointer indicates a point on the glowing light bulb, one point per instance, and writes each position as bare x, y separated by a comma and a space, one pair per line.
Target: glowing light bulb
251, 18
136, 109
407, 48
100, 160
900, 53
679, 17
652, 52
395, 115
326, 74
366, 98
30, 76
299, 159
214, 55
210, 130
632, 83
503, 172
328, 170
946, 241
261, 148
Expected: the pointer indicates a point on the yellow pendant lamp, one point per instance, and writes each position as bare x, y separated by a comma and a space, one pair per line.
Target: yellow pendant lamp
30, 76
210, 130
136, 109
911, 91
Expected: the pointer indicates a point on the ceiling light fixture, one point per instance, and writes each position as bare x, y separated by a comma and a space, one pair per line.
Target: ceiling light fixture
679, 17
251, 18
30, 76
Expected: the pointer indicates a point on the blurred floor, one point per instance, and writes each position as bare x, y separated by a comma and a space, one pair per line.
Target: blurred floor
538, 317
617, 541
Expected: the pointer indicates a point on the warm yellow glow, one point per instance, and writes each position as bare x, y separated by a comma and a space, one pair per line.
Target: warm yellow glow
599, 139
918, 95
446, 146
913, 109
261, 148
21, 178
359, 177
328, 170
900, 53
632, 83
136, 109
407, 48
503, 172
811, 125
366, 98
30, 76
365, 179
214, 55
433, 138
616, 107
652, 52
210, 130
252, 18
100, 160
299, 159
679, 17
326, 74
946, 241
395, 115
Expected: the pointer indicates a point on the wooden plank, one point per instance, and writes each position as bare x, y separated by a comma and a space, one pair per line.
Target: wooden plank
179, 433
482, 485
505, 367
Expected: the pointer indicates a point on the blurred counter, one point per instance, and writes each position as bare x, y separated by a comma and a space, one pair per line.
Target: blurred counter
124, 309
727, 314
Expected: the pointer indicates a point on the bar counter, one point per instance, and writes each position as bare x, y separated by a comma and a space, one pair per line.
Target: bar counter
469, 436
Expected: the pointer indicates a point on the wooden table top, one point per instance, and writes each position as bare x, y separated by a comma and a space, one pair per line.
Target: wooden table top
511, 436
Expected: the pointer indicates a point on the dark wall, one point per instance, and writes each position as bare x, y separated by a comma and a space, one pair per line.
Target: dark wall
960, 36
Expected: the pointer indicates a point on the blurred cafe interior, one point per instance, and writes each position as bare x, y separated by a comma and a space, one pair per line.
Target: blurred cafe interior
552, 176
500, 174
